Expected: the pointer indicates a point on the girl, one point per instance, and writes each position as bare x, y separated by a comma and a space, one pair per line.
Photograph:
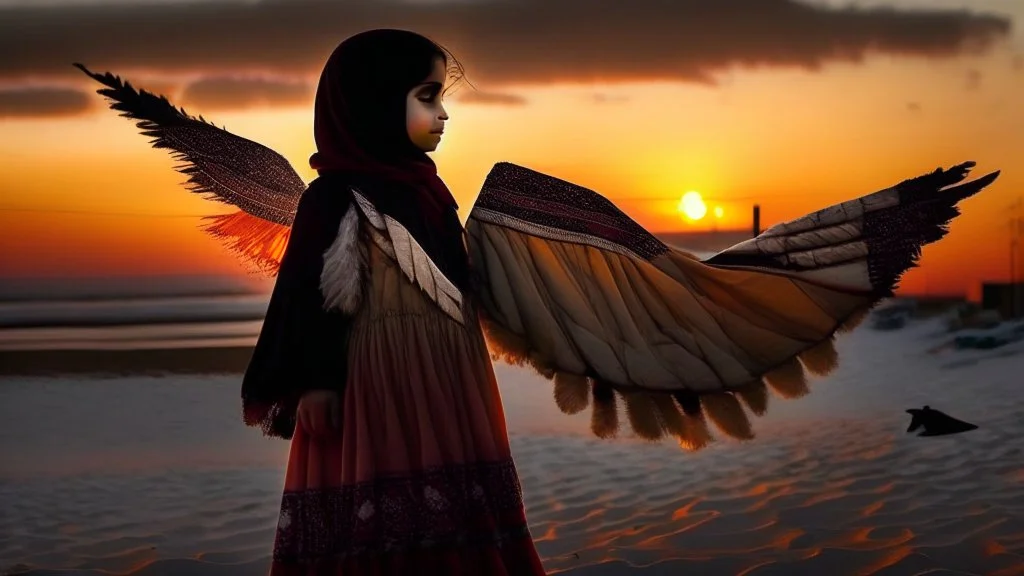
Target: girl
399, 460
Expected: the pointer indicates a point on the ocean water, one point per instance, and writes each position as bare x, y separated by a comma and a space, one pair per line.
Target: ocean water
217, 320
156, 475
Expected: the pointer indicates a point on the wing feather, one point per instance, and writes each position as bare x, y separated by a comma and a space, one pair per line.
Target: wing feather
576, 289
221, 167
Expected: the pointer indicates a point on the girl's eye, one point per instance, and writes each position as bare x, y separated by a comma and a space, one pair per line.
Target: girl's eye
428, 97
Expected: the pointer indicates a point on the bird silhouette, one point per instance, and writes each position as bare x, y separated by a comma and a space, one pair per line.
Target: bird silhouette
936, 423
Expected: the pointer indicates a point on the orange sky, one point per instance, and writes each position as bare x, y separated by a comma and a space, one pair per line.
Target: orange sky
794, 140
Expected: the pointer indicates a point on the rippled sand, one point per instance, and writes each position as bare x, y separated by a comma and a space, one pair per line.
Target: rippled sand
156, 476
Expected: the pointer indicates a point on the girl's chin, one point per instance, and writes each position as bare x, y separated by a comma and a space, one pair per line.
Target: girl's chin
430, 143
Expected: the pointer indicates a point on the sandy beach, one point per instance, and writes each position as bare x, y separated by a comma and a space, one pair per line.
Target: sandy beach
156, 475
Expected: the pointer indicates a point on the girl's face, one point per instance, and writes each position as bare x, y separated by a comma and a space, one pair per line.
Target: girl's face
424, 114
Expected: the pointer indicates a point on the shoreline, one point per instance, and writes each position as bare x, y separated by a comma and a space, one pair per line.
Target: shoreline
120, 362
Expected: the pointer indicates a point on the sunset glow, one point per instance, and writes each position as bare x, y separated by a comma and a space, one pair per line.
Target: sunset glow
84, 193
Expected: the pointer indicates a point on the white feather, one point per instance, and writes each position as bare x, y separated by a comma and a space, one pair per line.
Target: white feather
392, 237
341, 281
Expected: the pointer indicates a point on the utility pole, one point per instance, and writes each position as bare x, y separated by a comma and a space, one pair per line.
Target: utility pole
1013, 268
1019, 286
1016, 226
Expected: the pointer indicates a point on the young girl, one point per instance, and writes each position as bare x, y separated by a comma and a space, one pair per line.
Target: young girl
399, 460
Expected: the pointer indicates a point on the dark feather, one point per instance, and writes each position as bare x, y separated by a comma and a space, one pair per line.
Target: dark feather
894, 235
220, 165
897, 235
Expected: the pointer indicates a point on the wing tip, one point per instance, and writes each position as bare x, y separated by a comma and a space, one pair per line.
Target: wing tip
991, 177
104, 78
95, 76
964, 168
967, 189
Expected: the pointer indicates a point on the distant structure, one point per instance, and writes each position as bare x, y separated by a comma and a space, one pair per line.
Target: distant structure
757, 220
1007, 298
927, 305
706, 243
1003, 297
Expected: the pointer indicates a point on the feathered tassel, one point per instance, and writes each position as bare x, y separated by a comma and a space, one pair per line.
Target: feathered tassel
643, 415
671, 418
258, 243
788, 379
725, 411
604, 418
572, 393
755, 397
822, 359
695, 429
505, 346
695, 434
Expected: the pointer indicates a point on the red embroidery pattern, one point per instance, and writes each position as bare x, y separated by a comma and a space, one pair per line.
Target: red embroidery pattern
452, 505
541, 199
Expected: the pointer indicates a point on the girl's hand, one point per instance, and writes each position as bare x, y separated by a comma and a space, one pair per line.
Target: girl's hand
319, 412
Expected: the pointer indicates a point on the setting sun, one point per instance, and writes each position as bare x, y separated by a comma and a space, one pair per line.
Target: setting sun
692, 206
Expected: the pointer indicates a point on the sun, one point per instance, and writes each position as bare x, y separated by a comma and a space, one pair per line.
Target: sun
692, 206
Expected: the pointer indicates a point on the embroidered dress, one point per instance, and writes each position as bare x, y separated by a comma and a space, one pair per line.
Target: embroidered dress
421, 478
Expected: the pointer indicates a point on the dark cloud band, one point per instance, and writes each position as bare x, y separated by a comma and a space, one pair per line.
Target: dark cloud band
228, 92
499, 41
39, 102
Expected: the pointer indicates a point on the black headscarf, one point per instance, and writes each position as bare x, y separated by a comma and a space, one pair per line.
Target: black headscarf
362, 143
359, 115
361, 137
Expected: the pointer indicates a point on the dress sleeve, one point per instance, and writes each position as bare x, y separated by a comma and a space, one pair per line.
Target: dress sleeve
303, 343
571, 286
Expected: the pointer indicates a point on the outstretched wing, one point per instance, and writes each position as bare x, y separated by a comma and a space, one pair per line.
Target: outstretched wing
867, 243
222, 167
573, 287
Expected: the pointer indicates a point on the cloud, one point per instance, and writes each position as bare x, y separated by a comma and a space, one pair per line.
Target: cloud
499, 98
43, 101
972, 79
227, 92
499, 41
164, 87
601, 98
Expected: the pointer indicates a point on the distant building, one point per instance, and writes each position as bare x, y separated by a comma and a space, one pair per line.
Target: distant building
710, 242
1003, 297
929, 305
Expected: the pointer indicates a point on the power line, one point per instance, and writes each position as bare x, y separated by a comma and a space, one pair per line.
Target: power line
759, 198
100, 213
158, 215
756, 198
